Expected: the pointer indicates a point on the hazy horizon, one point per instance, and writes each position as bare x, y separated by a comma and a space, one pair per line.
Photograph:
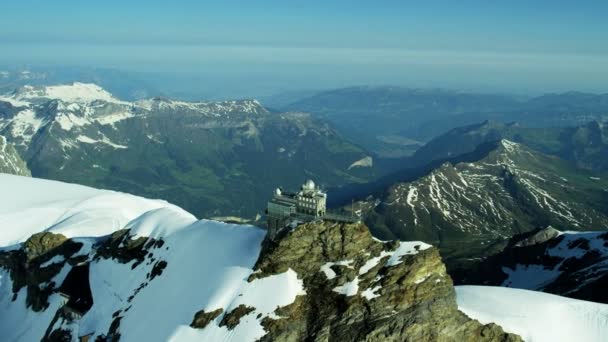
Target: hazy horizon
272, 47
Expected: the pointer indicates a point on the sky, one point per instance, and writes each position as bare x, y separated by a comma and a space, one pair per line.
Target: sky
519, 46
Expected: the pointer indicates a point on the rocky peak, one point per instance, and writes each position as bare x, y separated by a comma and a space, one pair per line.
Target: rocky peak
359, 288
42, 243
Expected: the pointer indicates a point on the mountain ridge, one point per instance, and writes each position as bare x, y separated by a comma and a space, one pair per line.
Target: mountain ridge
513, 189
210, 157
150, 263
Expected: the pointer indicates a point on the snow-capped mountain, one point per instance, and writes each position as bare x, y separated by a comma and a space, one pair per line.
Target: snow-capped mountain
76, 261
10, 160
510, 190
572, 264
213, 158
74, 108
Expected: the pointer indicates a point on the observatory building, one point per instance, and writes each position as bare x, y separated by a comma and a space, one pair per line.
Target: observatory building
308, 204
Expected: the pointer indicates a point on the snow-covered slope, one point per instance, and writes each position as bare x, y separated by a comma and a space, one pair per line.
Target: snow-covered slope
163, 275
31, 205
535, 316
208, 262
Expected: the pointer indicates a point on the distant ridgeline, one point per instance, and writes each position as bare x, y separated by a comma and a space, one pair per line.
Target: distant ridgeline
287, 209
211, 158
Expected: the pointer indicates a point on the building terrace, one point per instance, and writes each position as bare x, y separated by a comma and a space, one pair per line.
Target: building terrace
309, 204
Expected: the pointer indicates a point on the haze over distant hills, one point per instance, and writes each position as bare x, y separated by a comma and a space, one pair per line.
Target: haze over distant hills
395, 121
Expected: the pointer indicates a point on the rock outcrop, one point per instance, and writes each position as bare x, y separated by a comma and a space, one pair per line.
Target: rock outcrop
34, 266
360, 289
539, 237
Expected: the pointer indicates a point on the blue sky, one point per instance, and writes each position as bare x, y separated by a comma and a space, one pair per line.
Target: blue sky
538, 45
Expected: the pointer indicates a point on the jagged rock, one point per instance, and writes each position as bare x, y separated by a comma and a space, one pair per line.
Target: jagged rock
410, 298
122, 247
541, 236
26, 266
202, 318
157, 269
233, 318
59, 336
42, 243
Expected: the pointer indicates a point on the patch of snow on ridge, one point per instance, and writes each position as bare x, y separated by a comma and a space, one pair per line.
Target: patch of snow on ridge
363, 162
349, 288
371, 263
535, 316
371, 293
76, 92
406, 248
25, 124
329, 273
68, 120
104, 140
509, 145
269, 293
114, 118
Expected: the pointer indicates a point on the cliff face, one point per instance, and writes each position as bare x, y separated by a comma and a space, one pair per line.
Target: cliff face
10, 160
358, 288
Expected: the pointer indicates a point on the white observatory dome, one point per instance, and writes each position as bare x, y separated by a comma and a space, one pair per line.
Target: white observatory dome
309, 185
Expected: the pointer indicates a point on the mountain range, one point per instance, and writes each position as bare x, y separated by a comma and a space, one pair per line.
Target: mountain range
493, 204
586, 145
395, 121
470, 209
213, 158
